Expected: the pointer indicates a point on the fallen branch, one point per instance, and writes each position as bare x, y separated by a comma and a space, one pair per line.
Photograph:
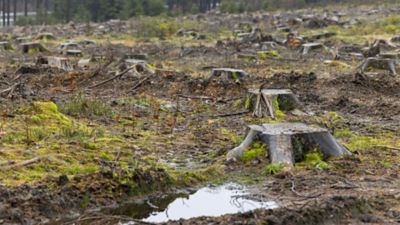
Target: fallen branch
21, 164
138, 84
101, 68
387, 147
229, 114
112, 78
9, 90
196, 97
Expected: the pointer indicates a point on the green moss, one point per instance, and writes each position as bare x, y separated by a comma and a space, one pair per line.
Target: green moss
237, 140
248, 102
91, 146
273, 168
106, 156
32, 51
186, 177
76, 169
357, 142
278, 113
47, 112
314, 160
258, 150
269, 54
343, 133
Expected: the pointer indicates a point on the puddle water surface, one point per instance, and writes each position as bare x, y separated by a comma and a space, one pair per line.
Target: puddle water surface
209, 201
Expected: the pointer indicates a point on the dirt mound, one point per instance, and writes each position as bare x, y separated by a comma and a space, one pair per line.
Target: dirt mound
37, 204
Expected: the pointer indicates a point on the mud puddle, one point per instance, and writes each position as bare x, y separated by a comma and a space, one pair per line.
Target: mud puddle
208, 201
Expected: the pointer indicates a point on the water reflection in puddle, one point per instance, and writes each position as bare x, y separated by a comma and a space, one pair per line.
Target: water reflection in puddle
209, 201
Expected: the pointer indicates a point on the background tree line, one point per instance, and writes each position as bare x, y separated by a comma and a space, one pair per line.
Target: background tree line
103, 10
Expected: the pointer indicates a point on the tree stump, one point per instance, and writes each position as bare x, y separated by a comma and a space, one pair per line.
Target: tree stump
60, 63
33, 47
307, 47
386, 62
5, 45
281, 138
73, 52
227, 74
46, 36
266, 102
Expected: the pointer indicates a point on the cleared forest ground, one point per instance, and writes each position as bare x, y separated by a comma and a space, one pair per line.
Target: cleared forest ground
120, 129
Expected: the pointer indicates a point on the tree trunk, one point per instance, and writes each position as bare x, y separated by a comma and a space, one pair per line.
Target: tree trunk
46, 7
4, 12
25, 7
68, 11
8, 12
15, 11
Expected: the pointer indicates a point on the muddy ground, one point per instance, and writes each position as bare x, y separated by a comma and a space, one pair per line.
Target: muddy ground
144, 134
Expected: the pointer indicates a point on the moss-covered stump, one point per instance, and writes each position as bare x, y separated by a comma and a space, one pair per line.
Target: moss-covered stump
228, 74
33, 47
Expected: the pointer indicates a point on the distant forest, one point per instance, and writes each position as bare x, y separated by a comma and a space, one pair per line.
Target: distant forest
103, 10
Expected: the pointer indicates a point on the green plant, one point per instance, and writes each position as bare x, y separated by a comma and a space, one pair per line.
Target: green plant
273, 168
82, 106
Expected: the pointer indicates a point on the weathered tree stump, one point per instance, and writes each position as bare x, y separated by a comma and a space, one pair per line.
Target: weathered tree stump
136, 56
139, 65
60, 63
230, 74
87, 42
307, 47
33, 47
385, 62
266, 102
5, 45
395, 39
73, 52
281, 138
46, 36
65, 47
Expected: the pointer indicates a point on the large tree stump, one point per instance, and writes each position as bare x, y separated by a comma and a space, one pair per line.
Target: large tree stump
266, 102
279, 138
